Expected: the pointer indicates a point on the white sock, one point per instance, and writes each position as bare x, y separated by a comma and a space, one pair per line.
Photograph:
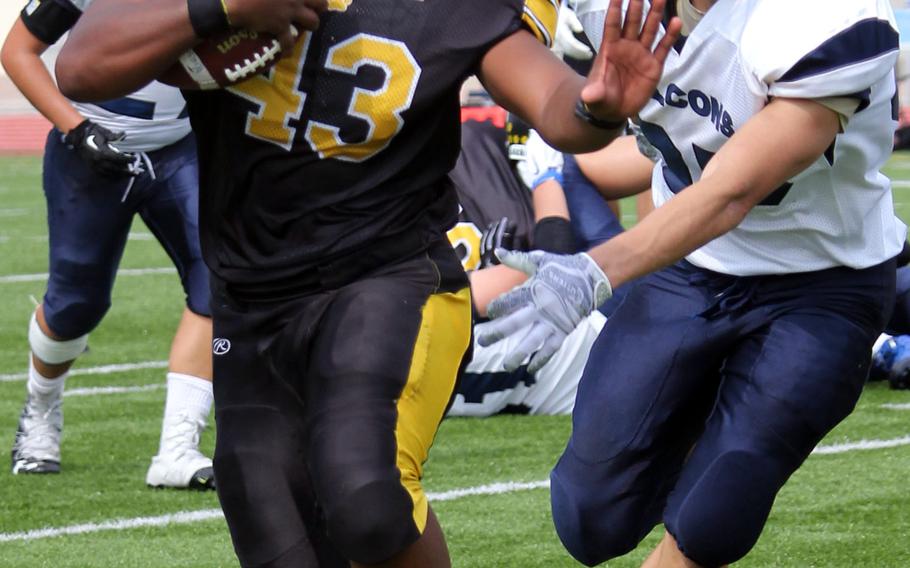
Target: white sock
188, 395
43, 388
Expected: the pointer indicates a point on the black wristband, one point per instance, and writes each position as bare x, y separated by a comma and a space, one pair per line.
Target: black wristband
208, 17
582, 112
554, 234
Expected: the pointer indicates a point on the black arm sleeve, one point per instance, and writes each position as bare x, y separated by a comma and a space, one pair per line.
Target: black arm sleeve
48, 20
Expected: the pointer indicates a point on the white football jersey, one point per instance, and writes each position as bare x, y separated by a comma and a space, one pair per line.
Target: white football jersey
153, 117
550, 391
837, 212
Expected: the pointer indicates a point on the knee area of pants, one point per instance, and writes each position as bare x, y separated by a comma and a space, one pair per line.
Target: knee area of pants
722, 516
372, 523
591, 534
77, 316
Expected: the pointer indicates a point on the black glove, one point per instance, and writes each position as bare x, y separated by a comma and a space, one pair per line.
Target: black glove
93, 143
500, 234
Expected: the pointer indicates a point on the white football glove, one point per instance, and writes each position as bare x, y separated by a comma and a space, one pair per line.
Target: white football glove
542, 162
562, 290
566, 43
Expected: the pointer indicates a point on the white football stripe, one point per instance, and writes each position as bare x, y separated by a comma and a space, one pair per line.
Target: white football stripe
102, 370
895, 406
122, 272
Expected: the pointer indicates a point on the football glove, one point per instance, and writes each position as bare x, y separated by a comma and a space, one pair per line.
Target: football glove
562, 290
541, 162
566, 42
500, 234
95, 145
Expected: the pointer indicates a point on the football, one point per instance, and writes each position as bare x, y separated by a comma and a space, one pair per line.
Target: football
223, 60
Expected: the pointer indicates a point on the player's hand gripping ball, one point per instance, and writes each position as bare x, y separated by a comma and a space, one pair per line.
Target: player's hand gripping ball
223, 60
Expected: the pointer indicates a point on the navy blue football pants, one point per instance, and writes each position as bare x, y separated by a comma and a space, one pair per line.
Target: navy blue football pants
702, 395
89, 223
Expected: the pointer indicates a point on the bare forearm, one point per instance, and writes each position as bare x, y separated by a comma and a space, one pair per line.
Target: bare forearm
549, 201
22, 61
488, 283
696, 216
120, 45
619, 170
545, 97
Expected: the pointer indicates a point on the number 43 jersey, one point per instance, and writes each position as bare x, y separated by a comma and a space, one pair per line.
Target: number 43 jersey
340, 154
743, 53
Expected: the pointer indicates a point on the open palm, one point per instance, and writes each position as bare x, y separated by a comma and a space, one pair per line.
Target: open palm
626, 69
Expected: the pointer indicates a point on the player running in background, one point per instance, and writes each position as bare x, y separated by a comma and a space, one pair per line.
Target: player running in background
103, 164
773, 273
325, 202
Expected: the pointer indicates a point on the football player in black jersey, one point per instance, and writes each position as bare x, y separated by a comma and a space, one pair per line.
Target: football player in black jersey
342, 315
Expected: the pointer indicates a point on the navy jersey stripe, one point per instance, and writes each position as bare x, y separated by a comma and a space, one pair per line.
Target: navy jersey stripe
474, 386
130, 107
864, 40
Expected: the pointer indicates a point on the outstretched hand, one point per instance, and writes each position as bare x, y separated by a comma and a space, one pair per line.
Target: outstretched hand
628, 64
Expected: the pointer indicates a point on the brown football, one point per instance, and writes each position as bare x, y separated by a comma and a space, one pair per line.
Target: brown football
223, 60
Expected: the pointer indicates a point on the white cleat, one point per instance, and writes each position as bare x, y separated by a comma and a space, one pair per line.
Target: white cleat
37, 445
179, 463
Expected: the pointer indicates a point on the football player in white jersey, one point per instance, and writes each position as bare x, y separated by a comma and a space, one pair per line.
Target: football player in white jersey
103, 164
771, 273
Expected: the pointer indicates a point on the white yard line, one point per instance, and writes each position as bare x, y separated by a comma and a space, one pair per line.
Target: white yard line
122, 272
102, 370
93, 391
185, 517
896, 406
13, 212
862, 445
900, 184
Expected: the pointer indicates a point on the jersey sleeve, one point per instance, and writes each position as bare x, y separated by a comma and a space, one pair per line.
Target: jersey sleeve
48, 20
818, 49
539, 17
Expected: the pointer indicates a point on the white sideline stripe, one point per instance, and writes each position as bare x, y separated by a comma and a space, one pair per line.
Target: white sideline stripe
895, 406
902, 184
122, 272
862, 445
102, 370
185, 517
92, 391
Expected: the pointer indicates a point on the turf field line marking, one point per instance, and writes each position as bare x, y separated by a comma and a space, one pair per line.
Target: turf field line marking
122, 272
896, 406
92, 391
101, 370
13, 212
862, 445
185, 517
492, 489
900, 184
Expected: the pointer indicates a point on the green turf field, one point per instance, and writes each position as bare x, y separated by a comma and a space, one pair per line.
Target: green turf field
848, 509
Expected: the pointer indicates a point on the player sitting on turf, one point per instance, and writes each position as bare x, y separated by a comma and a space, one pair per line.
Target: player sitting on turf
770, 264
493, 188
103, 164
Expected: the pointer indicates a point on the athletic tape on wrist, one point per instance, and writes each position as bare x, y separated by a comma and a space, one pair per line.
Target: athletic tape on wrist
51, 351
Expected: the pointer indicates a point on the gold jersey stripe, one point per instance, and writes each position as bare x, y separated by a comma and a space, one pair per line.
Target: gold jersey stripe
540, 17
443, 340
